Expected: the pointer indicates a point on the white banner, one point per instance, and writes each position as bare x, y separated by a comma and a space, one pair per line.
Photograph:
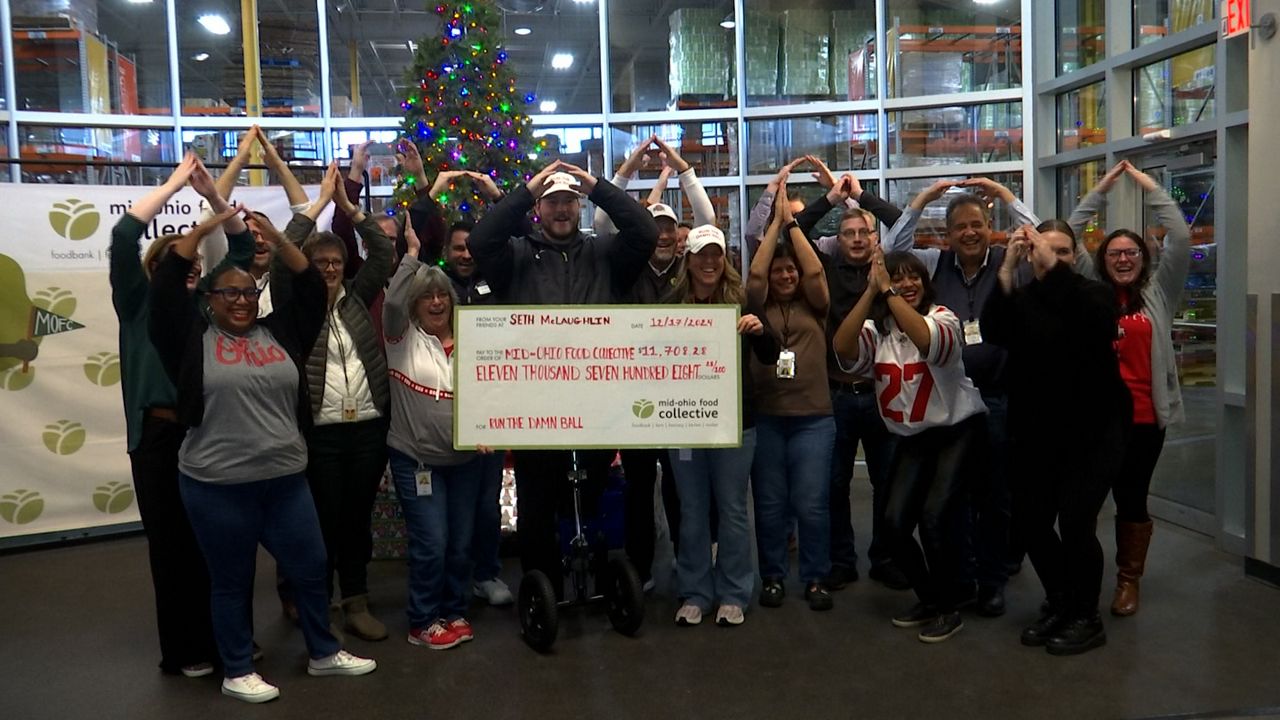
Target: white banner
598, 376
62, 433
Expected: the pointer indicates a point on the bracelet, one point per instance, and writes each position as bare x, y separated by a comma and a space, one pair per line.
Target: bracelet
787, 228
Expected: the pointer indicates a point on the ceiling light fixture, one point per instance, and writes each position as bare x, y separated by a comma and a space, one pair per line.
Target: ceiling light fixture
547, 106
562, 61
522, 31
215, 24
200, 56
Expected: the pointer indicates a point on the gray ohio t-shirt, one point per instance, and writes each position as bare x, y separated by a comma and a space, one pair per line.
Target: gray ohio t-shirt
250, 427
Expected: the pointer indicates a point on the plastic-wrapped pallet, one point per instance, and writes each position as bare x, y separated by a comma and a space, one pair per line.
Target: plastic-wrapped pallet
761, 33
806, 60
930, 73
851, 30
699, 50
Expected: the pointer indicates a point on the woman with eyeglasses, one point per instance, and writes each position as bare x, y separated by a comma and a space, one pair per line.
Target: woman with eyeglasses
349, 398
242, 394
1148, 294
439, 487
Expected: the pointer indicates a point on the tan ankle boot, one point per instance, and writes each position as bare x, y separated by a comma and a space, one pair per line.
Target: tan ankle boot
1132, 541
360, 622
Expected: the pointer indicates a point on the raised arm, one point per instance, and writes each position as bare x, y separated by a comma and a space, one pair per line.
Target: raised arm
761, 260
1170, 276
395, 304
226, 183
292, 188
1093, 203
351, 187
813, 279
1019, 213
490, 239
759, 217
637, 235
854, 343
128, 281
373, 274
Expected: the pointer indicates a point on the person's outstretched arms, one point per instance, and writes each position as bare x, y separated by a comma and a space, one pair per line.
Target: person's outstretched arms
292, 188
125, 271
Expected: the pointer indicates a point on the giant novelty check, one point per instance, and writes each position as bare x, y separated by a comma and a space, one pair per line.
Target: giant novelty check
597, 376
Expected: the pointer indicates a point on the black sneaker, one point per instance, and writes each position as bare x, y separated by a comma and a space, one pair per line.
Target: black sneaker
1038, 633
772, 593
991, 602
1077, 636
890, 576
942, 628
818, 596
840, 576
919, 614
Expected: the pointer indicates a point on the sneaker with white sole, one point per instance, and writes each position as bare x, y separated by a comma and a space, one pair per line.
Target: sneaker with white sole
250, 688
729, 615
436, 636
197, 669
494, 592
340, 663
688, 615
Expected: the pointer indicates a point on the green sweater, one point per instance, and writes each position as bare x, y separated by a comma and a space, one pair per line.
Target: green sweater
142, 376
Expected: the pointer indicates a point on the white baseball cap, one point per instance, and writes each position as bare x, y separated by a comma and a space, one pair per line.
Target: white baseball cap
561, 182
702, 236
658, 210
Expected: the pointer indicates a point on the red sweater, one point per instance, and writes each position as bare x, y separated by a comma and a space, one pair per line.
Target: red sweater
1133, 350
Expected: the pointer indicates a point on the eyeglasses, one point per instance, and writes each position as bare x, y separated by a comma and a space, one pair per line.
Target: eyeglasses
864, 233
1130, 253
322, 264
232, 294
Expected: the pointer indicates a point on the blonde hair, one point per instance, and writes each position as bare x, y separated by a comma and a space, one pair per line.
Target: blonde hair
729, 291
156, 251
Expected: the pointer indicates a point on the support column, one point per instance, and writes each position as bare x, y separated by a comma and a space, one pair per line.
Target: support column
252, 79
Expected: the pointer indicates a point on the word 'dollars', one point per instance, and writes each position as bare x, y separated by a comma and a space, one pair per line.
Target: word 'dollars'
503, 372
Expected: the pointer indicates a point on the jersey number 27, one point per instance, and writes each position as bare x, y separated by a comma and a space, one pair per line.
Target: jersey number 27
898, 375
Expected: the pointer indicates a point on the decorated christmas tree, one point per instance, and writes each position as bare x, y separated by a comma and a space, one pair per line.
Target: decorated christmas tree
463, 111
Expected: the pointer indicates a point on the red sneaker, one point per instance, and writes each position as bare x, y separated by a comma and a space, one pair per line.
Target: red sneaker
436, 636
462, 629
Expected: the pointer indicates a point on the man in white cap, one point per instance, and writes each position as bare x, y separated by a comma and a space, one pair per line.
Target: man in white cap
558, 264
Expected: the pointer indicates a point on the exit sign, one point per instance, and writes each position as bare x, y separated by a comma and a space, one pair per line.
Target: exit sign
1235, 17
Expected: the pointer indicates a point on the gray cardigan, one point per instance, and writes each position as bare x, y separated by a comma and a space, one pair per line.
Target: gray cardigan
1160, 297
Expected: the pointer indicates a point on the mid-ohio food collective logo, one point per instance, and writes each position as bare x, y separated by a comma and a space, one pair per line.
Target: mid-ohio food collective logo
74, 219
681, 409
21, 506
642, 409
63, 437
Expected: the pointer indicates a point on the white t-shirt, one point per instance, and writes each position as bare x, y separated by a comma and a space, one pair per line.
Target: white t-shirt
914, 392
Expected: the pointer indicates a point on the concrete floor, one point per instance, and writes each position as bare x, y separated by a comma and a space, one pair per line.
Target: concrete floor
78, 642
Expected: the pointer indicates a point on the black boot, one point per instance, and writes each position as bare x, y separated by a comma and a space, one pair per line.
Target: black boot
1052, 620
1079, 635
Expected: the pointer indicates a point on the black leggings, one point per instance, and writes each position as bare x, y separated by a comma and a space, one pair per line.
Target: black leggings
1136, 468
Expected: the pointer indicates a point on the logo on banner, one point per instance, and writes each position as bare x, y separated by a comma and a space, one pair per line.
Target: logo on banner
63, 437
102, 368
114, 497
74, 219
642, 409
21, 506
25, 321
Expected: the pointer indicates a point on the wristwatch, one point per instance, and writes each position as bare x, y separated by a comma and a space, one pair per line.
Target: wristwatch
892, 291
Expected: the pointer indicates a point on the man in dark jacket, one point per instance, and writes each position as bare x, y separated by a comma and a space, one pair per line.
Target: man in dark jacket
557, 263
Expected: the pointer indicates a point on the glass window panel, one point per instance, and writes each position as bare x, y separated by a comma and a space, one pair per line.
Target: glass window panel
950, 46
710, 146
807, 193
1154, 19
931, 230
824, 50
582, 146
96, 156
100, 57
1082, 117
1185, 472
843, 142
1176, 91
212, 76
382, 168
1074, 182
1081, 34
371, 47
671, 58
303, 150
571, 31
955, 135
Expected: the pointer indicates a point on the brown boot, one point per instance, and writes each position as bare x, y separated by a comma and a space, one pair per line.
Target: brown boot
360, 622
1132, 540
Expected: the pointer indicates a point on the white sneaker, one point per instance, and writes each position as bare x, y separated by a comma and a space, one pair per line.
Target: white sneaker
494, 591
649, 585
688, 614
197, 670
729, 615
341, 663
250, 688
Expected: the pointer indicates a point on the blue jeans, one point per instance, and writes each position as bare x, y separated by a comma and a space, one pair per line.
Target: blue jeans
439, 527
488, 523
858, 419
229, 521
791, 478
722, 474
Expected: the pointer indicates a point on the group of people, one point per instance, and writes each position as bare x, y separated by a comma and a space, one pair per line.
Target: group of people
271, 376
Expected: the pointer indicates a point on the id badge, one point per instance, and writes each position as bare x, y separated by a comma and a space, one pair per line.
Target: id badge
348, 409
422, 479
786, 365
482, 288
972, 333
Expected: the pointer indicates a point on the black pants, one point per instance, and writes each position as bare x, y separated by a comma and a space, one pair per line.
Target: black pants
641, 469
1133, 482
930, 472
178, 569
543, 490
345, 462
1066, 482
985, 518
